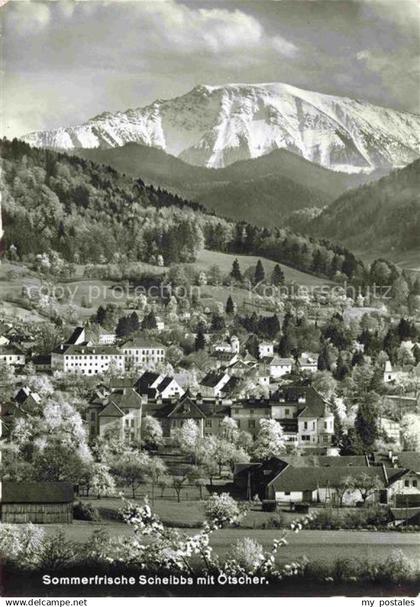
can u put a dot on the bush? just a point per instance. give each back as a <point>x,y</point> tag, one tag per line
<point>247,553</point>
<point>222,510</point>
<point>269,505</point>
<point>373,516</point>
<point>276,522</point>
<point>85,512</point>
<point>21,544</point>
<point>56,552</point>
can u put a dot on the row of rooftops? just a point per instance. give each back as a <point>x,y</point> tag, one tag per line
<point>311,407</point>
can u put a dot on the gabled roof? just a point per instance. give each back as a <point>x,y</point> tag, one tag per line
<point>42,359</point>
<point>276,361</point>
<point>145,381</point>
<point>187,409</point>
<point>266,471</point>
<point>315,406</point>
<point>33,493</point>
<point>10,349</point>
<point>75,337</point>
<point>166,381</point>
<point>230,385</point>
<point>127,398</point>
<point>211,380</point>
<point>116,383</point>
<point>22,394</point>
<point>111,410</point>
<point>410,460</point>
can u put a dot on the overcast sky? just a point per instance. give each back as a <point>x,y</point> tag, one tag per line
<point>66,61</point>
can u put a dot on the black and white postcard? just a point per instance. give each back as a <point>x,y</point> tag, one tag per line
<point>210,301</point>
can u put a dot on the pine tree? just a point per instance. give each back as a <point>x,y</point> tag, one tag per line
<point>277,276</point>
<point>236,271</point>
<point>230,306</point>
<point>149,321</point>
<point>200,340</point>
<point>322,362</point>
<point>366,422</point>
<point>284,346</point>
<point>100,315</point>
<point>342,369</point>
<point>259,273</point>
<point>123,327</point>
<point>134,322</point>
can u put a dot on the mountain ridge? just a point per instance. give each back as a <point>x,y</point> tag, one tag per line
<point>382,217</point>
<point>214,126</point>
<point>262,190</point>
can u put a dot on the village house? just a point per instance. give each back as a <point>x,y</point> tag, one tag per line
<point>392,374</point>
<point>27,399</point>
<point>117,414</point>
<point>265,349</point>
<point>307,362</point>
<point>140,351</point>
<point>279,366</point>
<point>11,355</point>
<point>24,403</point>
<point>303,413</point>
<point>106,337</point>
<point>42,363</point>
<point>248,412</point>
<point>320,484</point>
<point>213,383</point>
<point>223,359</point>
<point>155,386</point>
<point>315,421</point>
<point>278,480</point>
<point>206,413</point>
<point>229,345</point>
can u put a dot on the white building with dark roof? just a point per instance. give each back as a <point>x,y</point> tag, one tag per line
<point>142,350</point>
<point>87,360</point>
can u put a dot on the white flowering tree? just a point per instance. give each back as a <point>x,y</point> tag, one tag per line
<point>410,426</point>
<point>187,437</point>
<point>102,482</point>
<point>270,440</point>
<point>151,432</point>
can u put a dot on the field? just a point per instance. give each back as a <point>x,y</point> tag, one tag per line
<point>206,259</point>
<point>85,294</point>
<point>318,546</point>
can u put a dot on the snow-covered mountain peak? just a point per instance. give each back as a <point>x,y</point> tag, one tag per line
<point>215,125</point>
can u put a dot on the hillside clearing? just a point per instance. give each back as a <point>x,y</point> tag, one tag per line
<point>206,259</point>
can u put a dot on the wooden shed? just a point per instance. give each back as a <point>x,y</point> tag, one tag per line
<point>36,502</point>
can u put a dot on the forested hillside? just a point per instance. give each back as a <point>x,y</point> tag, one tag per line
<point>263,190</point>
<point>92,213</point>
<point>378,217</point>
<point>89,212</point>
